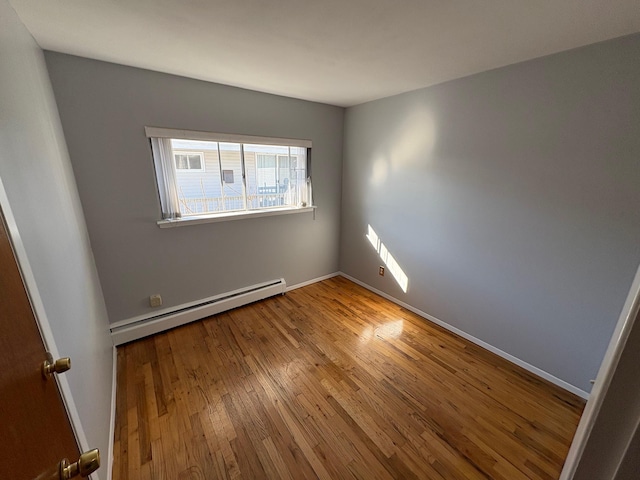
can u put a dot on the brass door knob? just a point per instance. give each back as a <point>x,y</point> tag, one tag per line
<point>49,367</point>
<point>88,463</point>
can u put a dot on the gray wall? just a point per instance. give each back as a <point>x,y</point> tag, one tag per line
<point>510,199</point>
<point>104,108</point>
<point>37,175</point>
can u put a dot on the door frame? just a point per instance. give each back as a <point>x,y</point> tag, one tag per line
<point>603,380</point>
<point>40,315</point>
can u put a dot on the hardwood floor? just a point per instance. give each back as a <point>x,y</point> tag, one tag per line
<point>332,381</point>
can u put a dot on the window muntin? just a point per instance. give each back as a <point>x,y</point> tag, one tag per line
<point>232,176</point>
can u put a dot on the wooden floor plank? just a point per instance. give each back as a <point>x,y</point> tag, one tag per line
<point>331,381</point>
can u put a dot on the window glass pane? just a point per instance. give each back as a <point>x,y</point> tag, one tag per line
<point>198,186</point>
<point>298,176</point>
<point>195,162</point>
<point>227,176</point>
<point>265,188</point>
<point>251,162</point>
<point>266,174</point>
<point>209,176</point>
<point>233,194</point>
<point>181,162</point>
<point>266,160</point>
<point>284,172</point>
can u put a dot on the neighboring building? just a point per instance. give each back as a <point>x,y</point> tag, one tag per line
<point>209,176</point>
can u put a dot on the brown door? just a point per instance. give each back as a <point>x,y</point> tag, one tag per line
<point>35,433</point>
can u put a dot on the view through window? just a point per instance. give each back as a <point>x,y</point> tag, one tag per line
<point>211,177</point>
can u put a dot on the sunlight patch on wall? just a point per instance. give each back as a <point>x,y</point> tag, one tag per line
<point>410,145</point>
<point>373,238</point>
<point>390,262</point>
<point>414,141</point>
<point>380,171</point>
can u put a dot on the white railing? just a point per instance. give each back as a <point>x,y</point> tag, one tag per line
<point>195,206</point>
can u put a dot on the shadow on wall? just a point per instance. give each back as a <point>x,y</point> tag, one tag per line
<point>386,257</point>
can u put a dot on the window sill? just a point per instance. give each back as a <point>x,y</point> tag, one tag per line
<point>226,217</point>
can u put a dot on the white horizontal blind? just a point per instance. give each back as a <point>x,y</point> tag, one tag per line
<point>156,132</point>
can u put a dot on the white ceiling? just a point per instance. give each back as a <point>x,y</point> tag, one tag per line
<point>341,52</point>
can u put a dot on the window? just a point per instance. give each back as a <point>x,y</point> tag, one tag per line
<point>218,174</point>
<point>227,176</point>
<point>189,161</point>
<point>274,172</point>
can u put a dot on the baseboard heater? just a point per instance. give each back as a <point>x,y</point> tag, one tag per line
<point>139,327</point>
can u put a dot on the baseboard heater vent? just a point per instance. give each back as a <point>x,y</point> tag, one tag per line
<point>139,327</point>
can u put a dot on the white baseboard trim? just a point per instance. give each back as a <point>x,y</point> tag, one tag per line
<point>521,363</point>
<point>144,325</point>
<point>183,306</point>
<point>112,420</point>
<point>140,327</point>
<point>312,281</point>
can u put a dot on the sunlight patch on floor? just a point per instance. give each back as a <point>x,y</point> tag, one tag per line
<point>387,331</point>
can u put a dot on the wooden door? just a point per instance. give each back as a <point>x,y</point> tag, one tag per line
<point>35,432</point>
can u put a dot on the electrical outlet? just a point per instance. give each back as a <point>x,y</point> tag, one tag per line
<point>155,300</point>
<point>381,271</point>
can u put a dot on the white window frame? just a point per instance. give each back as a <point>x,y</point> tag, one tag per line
<point>190,170</point>
<point>166,175</point>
